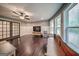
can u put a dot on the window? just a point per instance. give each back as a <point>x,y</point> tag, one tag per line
<point>52,26</point>
<point>74,16</point>
<point>73,36</point>
<point>4,29</point>
<point>0,29</point>
<point>7,29</point>
<point>58,25</point>
<point>15,29</point>
<point>72,27</point>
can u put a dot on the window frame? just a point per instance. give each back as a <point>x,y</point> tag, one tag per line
<point>52,26</point>
<point>66,18</point>
<point>10,29</point>
<point>56,25</point>
<point>66,26</point>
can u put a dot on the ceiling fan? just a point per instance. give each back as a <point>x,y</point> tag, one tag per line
<point>22,15</point>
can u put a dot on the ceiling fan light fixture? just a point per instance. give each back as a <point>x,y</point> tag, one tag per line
<point>22,15</point>
<point>27,18</point>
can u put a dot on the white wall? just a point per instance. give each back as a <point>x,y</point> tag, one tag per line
<point>27,28</point>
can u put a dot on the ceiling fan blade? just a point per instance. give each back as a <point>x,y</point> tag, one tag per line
<point>27,18</point>
<point>16,13</point>
<point>22,15</point>
<point>26,15</point>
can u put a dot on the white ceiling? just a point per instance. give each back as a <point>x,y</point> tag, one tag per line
<point>37,11</point>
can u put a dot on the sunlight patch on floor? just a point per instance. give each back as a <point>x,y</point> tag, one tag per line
<point>51,47</point>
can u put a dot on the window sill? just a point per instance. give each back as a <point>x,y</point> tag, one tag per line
<point>73,47</point>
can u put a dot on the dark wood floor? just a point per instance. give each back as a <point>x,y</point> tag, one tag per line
<point>31,46</point>
<point>36,46</point>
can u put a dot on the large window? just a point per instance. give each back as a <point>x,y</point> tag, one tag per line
<point>72,26</point>
<point>58,25</point>
<point>9,29</point>
<point>4,29</point>
<point>52,26</point>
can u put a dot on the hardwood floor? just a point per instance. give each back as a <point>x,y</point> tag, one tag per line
<point>31,46</point>
<point>53,49</point>
<point>36,46</point>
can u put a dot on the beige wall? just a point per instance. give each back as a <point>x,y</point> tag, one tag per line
<point>27,28</point>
